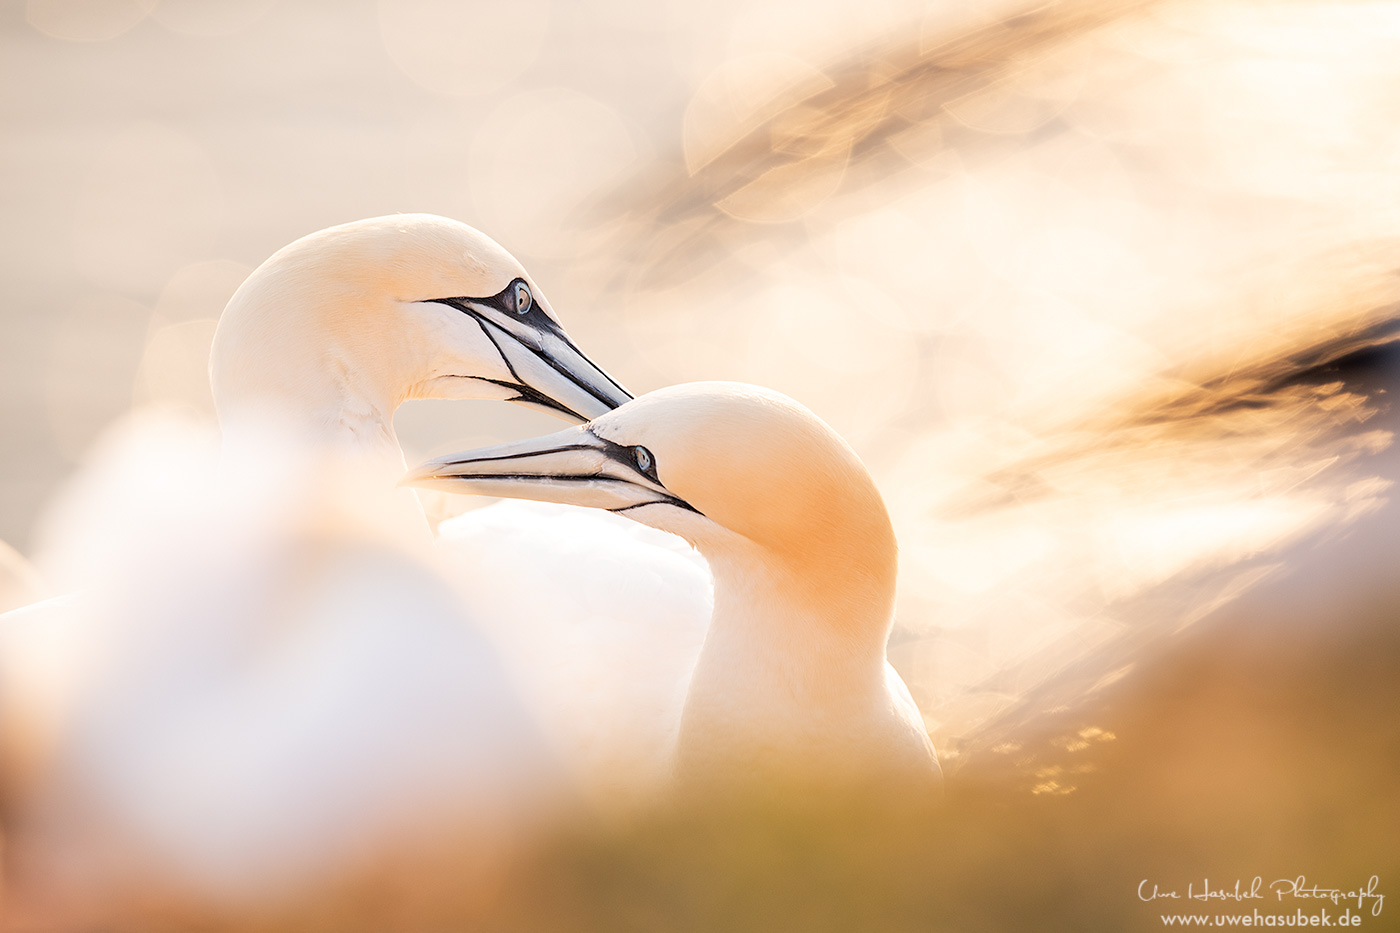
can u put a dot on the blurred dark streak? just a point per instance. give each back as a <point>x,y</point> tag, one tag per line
<point>1315,398</point>
<point>879,93</point>
<point>1363,362</point>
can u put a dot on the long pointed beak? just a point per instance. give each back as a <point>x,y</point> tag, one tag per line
<point>553,374</point>
<point>574,467</point>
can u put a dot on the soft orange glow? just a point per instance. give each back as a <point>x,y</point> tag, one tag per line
<point>1071,278</point>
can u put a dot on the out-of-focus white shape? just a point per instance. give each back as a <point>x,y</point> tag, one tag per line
<point>97,345</point>
<point>919,257</point>
<point>1092,363</point>
<point>976,560</point>
<point>1007,210</point>
<point>464,46</point>
<point>1145,546</point>
<point>267,682</point>
<point>200,290</point>
<point>209,18</point>
<point>815,29</point>
<point>602,632</point>
<point>20,583</point>
<point>792,679</point>
<point>86,20</point>
<point>539,157</point>
<point>174,368</point>
<point>827,336</point>
<point>151,203</point>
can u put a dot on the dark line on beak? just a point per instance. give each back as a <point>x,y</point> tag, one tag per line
<point>525,393</point>
<point>525,476</point>
<point>558,367</point>
<point>597,369</point>
<point>531,453</point>
<point>565,478</point>
<point>668,500</point>
<point>530,394</point>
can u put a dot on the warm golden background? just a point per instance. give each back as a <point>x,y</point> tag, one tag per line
<point>1101,291</point>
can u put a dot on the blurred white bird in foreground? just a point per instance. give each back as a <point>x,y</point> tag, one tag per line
<point>270,673</point>
<point>792,678</point>
<point>267,683</point>
<point>19,581</point>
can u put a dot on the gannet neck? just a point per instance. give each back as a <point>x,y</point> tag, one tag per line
<point>793,668</point>
<point>830,622</point>
<point>310,391</point>
<point>319,394</point>
<point>349,429</point>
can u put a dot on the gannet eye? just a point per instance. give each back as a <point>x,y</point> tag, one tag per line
<point>645,461</point>
<point>523,299</point>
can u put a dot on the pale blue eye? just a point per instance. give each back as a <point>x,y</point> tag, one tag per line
<point>645,462</point>
<point>523,299</point>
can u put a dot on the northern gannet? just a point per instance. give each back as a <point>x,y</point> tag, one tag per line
<point>792,678</point>
<point>269,683</point>
<point>333,332</point>
<point>270,624</point>
<point>336,330</point>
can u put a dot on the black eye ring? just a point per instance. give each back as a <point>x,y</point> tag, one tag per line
<point>646,463</point>
<point>524,301</point>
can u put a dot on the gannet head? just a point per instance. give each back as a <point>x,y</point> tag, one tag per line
<point>406,306</point>
<point>729,467</point>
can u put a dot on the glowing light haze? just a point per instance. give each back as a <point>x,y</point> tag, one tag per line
<point>1049,273</point>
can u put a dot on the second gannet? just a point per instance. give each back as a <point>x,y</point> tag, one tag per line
<point>792,677</point>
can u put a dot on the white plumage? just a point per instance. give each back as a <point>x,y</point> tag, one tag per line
<point>600,621</point>
<point>792,679</point>
<point>267,682</point>
<point>270,671</point>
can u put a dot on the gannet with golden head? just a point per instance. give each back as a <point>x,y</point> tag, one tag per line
<point>792,676</point>
<point>335,331</point>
